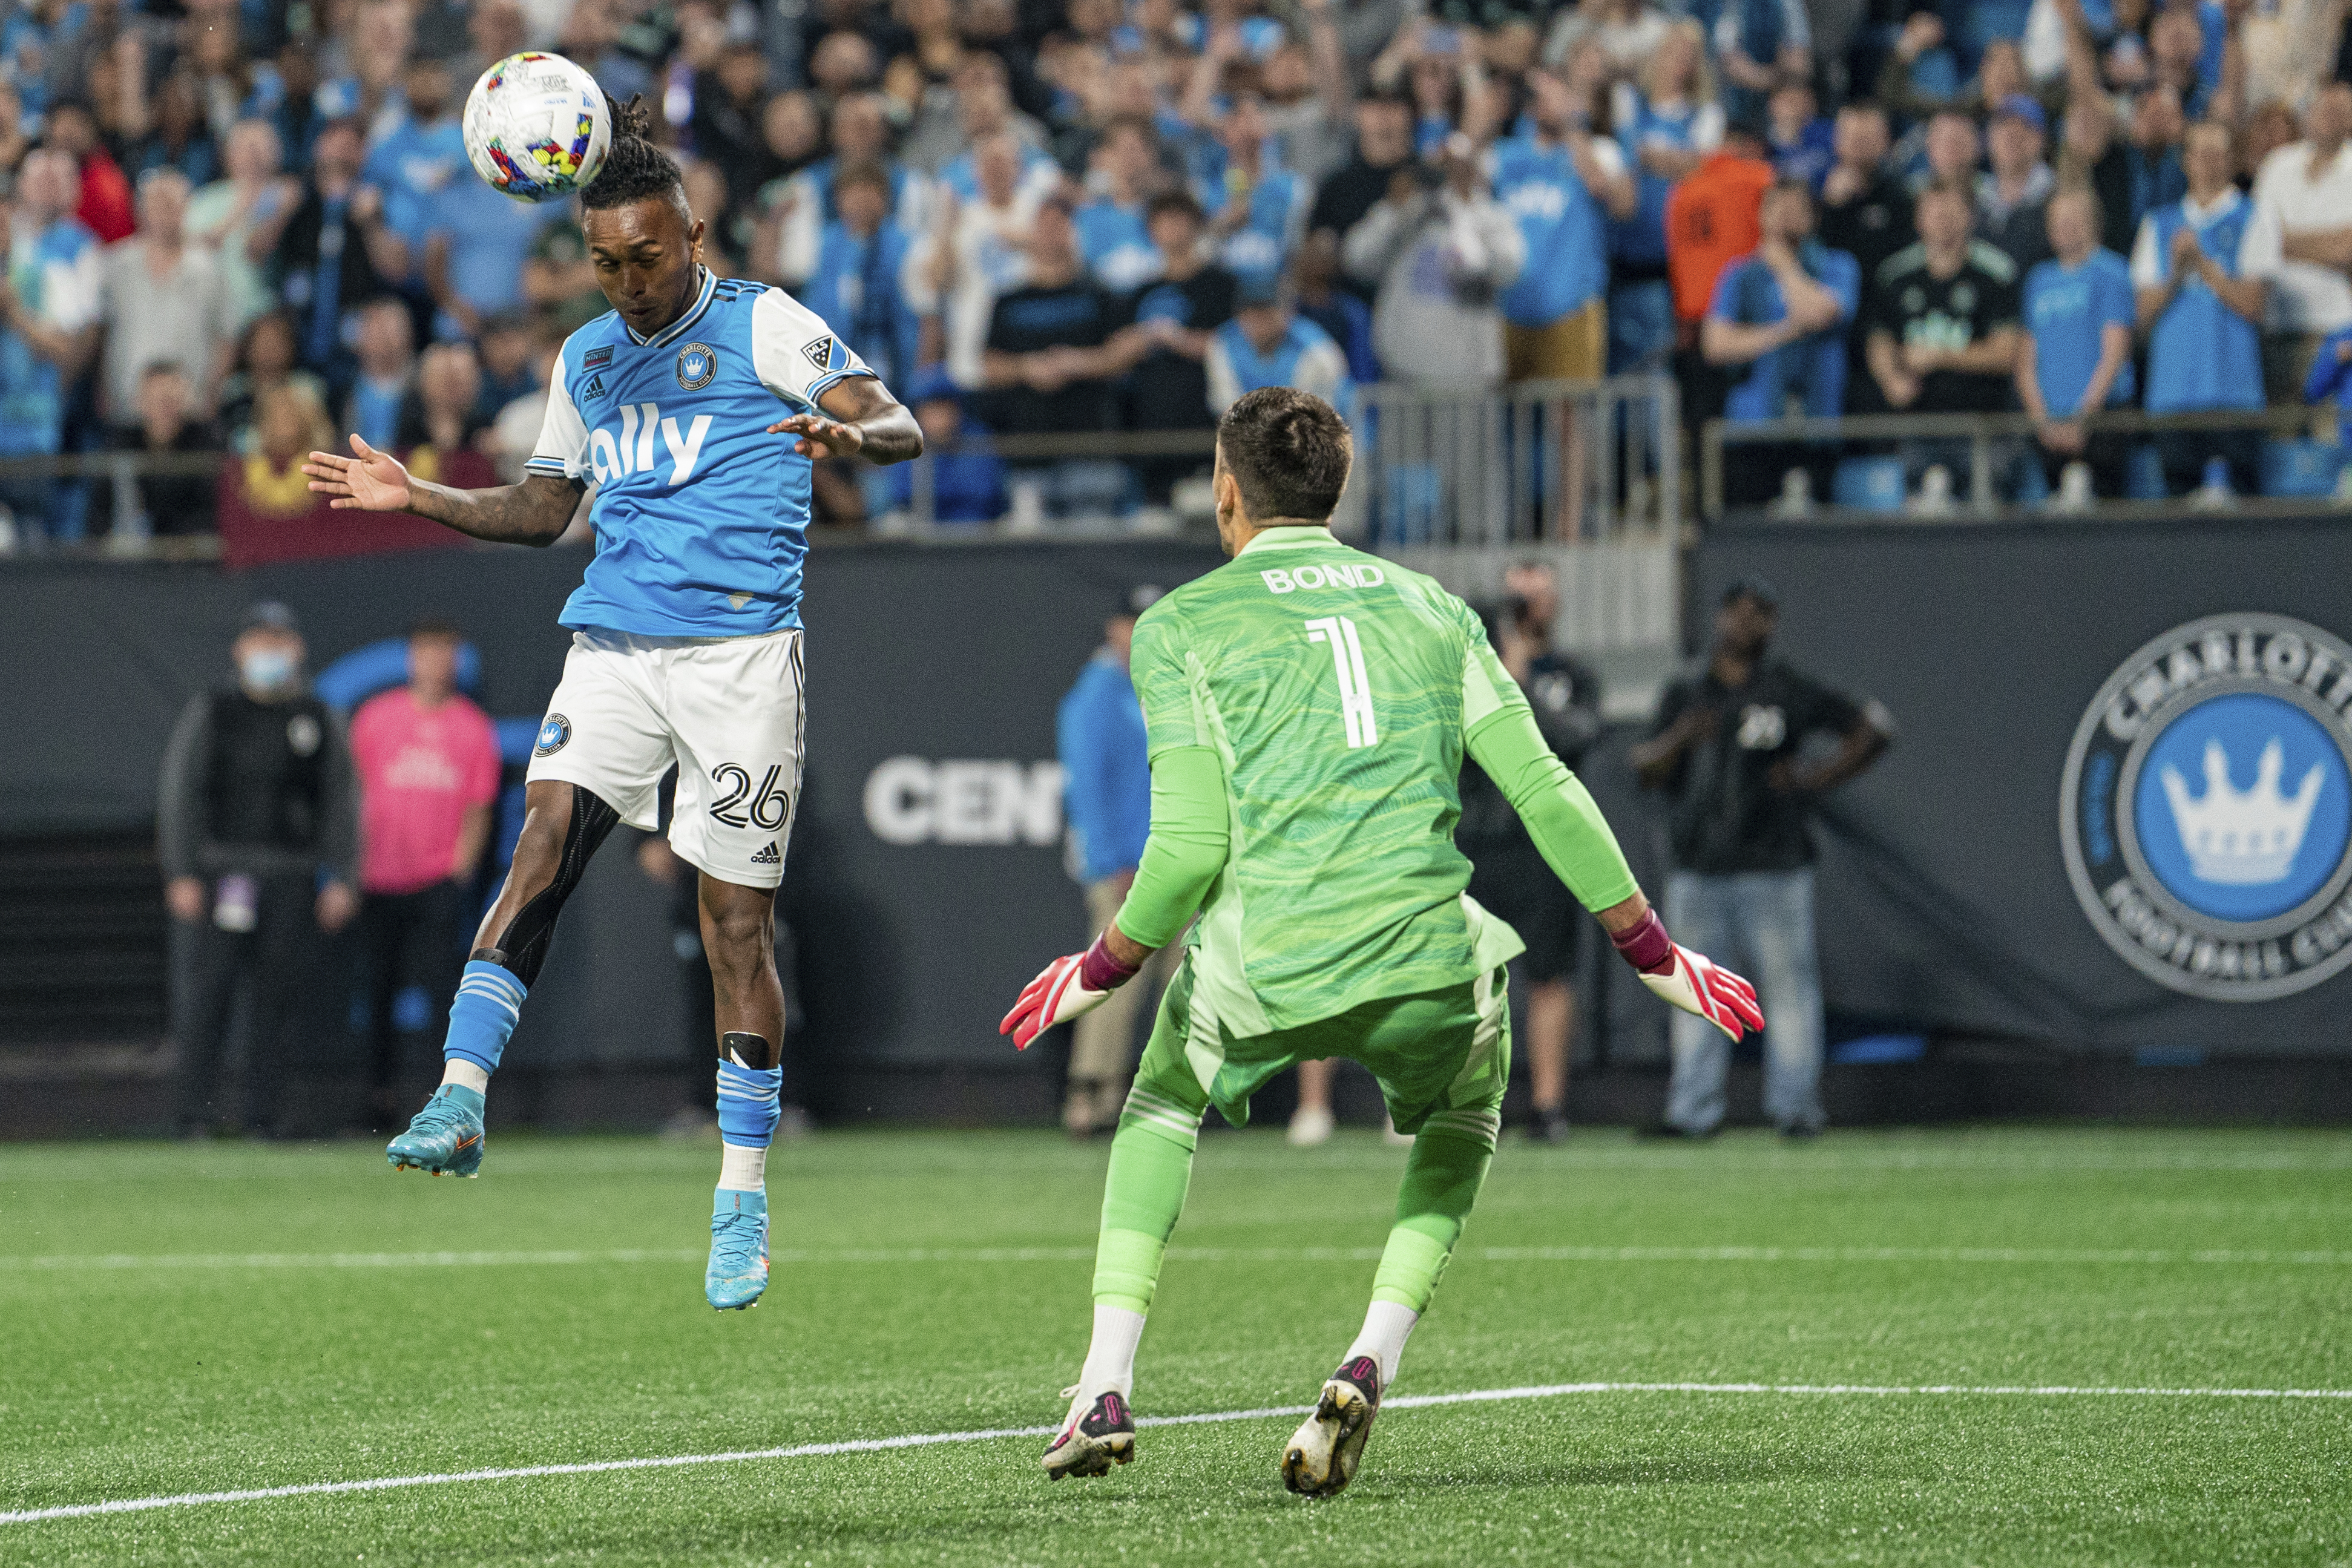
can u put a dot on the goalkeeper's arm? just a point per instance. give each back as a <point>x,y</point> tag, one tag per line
<point>1504,739</point>
<point>1574,838</point>
<point>1187,849</point>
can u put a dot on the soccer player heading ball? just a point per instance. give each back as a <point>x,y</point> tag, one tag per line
<point>1308,707</point>
<point>686,639</point>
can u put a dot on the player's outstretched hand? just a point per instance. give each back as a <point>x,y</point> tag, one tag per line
<point>368,481</point>
<point>1697,984</point>
<point>1691,981</point>
<point>820,437</point>
<point>1056,995</point>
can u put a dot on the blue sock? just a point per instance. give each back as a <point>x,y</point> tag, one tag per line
<point>489,1002</point>
<point>750,1101</point>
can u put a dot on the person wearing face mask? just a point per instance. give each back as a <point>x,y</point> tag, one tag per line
<point>257,834</point>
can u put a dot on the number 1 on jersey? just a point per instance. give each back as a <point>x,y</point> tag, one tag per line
<point>1355,686</point>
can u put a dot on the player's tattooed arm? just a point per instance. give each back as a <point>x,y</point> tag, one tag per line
<point>865,422</point>
<point>535,512</point>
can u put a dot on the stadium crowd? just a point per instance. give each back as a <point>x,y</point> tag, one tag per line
<point>249,225</point>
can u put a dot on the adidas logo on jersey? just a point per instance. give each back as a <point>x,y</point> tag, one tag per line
<point>1340,576</point>
<point>768,856</point>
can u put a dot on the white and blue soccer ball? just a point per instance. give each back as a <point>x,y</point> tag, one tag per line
<point>537,126</point>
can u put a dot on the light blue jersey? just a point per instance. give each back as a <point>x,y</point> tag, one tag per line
<point>701,515</point>
<point>2202,353</point>
<point>1303,357</point>
<point>1565,228</point>
<point>1116,244</point>
<point>2068,310</point>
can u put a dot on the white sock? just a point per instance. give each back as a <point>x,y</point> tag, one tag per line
<point>1111,1359</point>
<point>743,1169</point>
<point>1386,1327</point>
<point>465,1074</point>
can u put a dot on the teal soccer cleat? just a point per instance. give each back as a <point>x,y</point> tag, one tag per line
<point>738,1272</point>
<point>444,1137</point>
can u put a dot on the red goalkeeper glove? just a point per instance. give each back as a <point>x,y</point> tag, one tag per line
<point>1067,989</point>
<point>1689,980</point>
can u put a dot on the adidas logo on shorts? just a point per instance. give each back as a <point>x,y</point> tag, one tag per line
<point>768,856</point>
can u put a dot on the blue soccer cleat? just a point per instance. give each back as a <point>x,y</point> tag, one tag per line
<point>738,1272</point>
<point>446,1137</point>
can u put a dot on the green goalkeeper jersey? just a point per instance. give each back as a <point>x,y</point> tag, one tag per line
<point>1336,689</point>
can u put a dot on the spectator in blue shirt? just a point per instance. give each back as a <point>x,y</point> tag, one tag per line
<point>1321,297</point>
<point>1113,234</point>
<point>1803,142</point>
<point>855,285</point>
<point>1256,211</point>
<point>476,246</point>
<point>1106,802</point>
<point>385,344</point>
<point>48,324</point>
<point>417,166</point>
<point>2331,377</point>
<point>1561,185</point>
<point>1268,344</point>
<point>2075,356</point>
<point>2202,269</point>
<point>1783,312</point>
<point>1667,122</point>
<point>1758,44</point>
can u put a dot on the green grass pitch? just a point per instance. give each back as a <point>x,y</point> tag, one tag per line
<point>178,1319</point>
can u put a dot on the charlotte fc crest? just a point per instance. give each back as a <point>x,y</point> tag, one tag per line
<point>696,364</point>
<point>2207,808</point>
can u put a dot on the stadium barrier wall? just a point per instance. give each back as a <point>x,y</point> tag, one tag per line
<point>1946,901</point>
<point>926,879</point>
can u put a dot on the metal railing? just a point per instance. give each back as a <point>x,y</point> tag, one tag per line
<point>1984,434</point>
<point>1558,461</point>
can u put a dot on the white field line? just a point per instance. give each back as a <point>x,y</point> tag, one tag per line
<point>2061,1256</point>
<point>930,1439</point>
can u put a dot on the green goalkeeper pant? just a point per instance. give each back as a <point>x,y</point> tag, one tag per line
<point>1442,1059</point>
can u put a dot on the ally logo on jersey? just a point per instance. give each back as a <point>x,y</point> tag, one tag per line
<point>701,515</point>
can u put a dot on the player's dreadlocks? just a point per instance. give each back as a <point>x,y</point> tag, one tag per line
<point>634,169</point>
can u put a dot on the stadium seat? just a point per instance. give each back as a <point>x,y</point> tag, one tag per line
<point>1870,484</point>
<point>2300,468</point>
<point>2144,474</point>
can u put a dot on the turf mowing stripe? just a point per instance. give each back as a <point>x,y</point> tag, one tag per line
<point>2017,1255</point>
<point>929,1440</point>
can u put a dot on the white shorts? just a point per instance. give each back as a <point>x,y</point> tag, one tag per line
<point>728,712</point>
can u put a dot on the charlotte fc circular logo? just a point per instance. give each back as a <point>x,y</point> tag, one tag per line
<point>554,734</point>
<point>696,364</point>
<point>2207,808</point>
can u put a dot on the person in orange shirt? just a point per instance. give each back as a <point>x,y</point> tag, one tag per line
<point>1712,218</point>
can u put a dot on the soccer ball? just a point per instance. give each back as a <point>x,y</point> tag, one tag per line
<point>537,126</point>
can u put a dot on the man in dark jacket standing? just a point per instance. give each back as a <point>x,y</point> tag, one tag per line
<point>1729,746</point>
<point>257,832</point>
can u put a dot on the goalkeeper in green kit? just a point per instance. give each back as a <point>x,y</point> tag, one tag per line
<point>1308,707</point>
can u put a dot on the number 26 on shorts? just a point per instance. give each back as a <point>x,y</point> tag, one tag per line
<point>739,806</point>
<point>1355,686</point>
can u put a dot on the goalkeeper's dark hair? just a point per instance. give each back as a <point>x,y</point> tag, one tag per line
<point>634,169</point>
<point>1288,451</point>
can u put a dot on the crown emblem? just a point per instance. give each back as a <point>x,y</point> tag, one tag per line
<point>2241,839</point>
